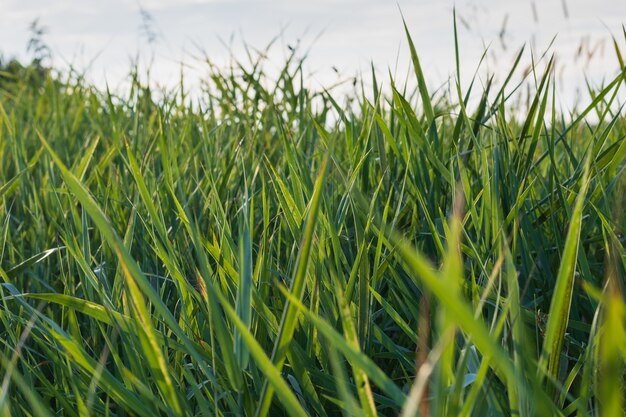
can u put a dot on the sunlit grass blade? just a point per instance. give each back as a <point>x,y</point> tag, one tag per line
<point>559,313</point>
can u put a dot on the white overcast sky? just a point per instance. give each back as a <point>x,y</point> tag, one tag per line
<point>106,34</point>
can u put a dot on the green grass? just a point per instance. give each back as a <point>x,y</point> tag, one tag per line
<point>269,250</point>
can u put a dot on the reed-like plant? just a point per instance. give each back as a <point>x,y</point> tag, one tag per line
<point>259,248</point>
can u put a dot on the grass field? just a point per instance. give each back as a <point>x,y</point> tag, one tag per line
<point>275,251</point>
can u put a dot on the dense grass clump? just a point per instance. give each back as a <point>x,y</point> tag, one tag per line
<point>262,249</point>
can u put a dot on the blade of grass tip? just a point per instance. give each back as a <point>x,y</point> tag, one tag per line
<point>81,169</point>
<point>456,50</point>
<point>538,122</point>
<point>292,213</point>
<point>419,74</point>
<point>618,53</point>
<point>558,315</point>
<point>614,84</point>
<point>17,269</point>
<point>289,318</point>
<point>538,101</point>
<point>135,280</point>
<point>143,191</point>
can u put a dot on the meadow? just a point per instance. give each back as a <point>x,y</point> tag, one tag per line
<point>274,250</point>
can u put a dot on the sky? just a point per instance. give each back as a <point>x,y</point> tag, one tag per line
<point>342,37</point>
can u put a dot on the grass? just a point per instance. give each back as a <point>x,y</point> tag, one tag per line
<point>270,251</point>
